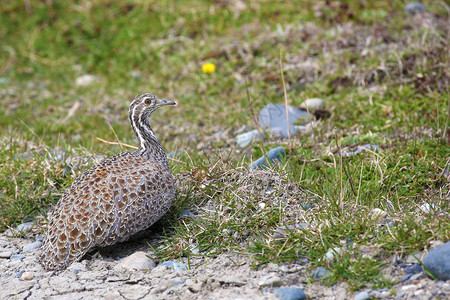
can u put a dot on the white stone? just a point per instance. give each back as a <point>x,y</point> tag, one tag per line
<point>378,213</point>
<point>271,282</point>
<point>332,253</point>
<point>312,104</point>
<point>5,254</point>
<point>245,139</point>
<point>137,261</point>
<point>428,208</point>
<point>409,287</point>
<point>85,80</point>
<point>362,296</point>
<point>27,276</point>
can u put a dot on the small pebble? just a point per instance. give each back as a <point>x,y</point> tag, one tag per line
<point>332,253</point>
<point>137,261</point>
<point>31,247</point>
<point>175,266</point>
<point>428,208</point>
<point>85,80</point>
<point>312,104</point>
<point>27,276</point>
<point>413,269</point>
<point>186,214</point>
<point>290,293</point>
<point>416,276</point>
<point>362,296</point>
<point>406,277</point>
<point>361,149</point>
<point>378,213</point>
<point>270,282</point>
<point>20,273</point>
<point>24,227</point>
<point>409,287</point>
<point>5,254</point>
<point>273,154</point>
<point>17,256</point>
<point>400,295</point>
<point>413,8</point>
<point>321,272</point>
<point>245,139</point>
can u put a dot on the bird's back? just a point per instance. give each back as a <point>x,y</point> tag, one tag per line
<point>108,203</point>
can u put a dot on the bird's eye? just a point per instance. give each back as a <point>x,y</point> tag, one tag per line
<point>148,101</point>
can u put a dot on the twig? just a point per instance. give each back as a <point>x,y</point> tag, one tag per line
<point>285,97</point>
<point>444,133</point>
<point>10,61</point>
<point>360,180</point>
<point>341,167</point>
<point>114,132</point>
<point>116,143</point>
<point>350,179</point>
<point>255,119</point>
<point>134,147</point>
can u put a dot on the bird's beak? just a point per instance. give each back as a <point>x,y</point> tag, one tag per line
<point>164,102</point>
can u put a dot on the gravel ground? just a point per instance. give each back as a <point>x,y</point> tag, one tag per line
<point>106,275</point>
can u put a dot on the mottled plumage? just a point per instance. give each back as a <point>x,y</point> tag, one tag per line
<point>120,196</point>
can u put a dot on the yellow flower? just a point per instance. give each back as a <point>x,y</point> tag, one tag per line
<point>208,68</point>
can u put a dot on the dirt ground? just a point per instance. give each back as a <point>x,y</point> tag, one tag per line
<point>227,276</point>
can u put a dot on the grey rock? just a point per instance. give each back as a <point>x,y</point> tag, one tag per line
<point>272,155</point>
<point>25,227</point>
<point>400,295</point>
<point>362,296</point>
<point>245,139</point>
<point>414,257</point>
<point>5,254</point>
<point>273,118</point>
<point>19,274</point>
<point>175,266</point>
<point>186,214</point>
<point>312,104</point>
<point>438,261</point>
<point>17,256</point>
<point>137,261</point>
<point>416,276</point>
<point>290,293</point>
<point>282,231</point>
<point>413,8</point>
<point>406,277</point>
<point>413,269</point>
<point>31,247</point>
<point>321,272</point>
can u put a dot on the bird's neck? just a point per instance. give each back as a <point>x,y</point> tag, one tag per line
<point>149,146</point>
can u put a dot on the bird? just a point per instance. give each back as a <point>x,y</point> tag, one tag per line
<point>122,195</point>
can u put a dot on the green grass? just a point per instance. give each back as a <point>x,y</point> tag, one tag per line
<point>381,72</point>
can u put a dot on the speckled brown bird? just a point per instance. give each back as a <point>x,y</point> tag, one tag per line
<point>122,195</point>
